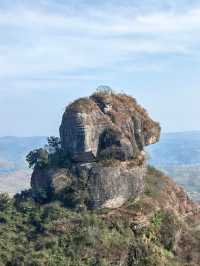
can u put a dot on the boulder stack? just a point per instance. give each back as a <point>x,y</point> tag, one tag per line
<point>104,137</point>
<point>106,125</point>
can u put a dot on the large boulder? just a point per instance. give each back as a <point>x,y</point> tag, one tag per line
<point>106,125</point>
<point>110,186</point>
<point>103,139</point>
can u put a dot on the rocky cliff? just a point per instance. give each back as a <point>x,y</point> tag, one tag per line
<point>106,124</point>
<point>103,136</point>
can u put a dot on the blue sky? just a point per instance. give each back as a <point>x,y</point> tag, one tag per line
<point>52,52</point>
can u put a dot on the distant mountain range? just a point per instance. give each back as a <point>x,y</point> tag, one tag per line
<point>178,154</point>
<point>176,148</point>
<point>14,172</point>
<point>13,151</point>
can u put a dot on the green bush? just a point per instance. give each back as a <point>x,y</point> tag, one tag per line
<point>48,234</point>
<point>4,201</point>
<point>38,157</point>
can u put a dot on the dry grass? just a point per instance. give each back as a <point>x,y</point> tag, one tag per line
<point>82,105</point>
<point>123,106</point>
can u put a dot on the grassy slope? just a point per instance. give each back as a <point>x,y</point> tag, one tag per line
<point>161,228</point>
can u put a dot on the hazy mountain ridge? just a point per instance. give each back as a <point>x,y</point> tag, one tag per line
<point>182,148</point>
<point>178,154</point>
<point>13,151</point>
<point>14,172</point>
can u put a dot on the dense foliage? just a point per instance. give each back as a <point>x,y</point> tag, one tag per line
<point>54,235</point>
<point>51,234</point>
<point>38,157</point>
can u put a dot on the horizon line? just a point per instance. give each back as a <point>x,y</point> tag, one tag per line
<point>43,136</point>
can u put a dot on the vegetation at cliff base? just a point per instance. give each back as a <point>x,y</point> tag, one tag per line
<point>140,233</point>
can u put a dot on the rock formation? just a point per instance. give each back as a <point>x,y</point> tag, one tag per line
<point>104,138</point>
<point>110,186</point>
<point>106,124</point>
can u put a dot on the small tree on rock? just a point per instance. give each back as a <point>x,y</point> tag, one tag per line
<point>38,157</point>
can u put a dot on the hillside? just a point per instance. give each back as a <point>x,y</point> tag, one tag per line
<point>159,229</point>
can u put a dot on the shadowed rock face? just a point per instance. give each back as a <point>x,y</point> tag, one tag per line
<point>106,125</point>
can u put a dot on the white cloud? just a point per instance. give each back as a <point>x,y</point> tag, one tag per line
<point>104,21</point>
<point>38,42</point>
<point>52,53</point>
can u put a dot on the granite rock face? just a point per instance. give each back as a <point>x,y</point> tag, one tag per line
<point>111,186</point>
<point>106,125</point>
<point>104,137</point>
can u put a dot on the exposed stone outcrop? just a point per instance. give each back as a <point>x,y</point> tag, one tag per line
<point>106,125</point>
<point>111,186</point>
<point>46,182</point>
<point>104,137</point>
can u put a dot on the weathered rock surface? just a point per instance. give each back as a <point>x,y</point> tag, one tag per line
<point>46,182</point>
<point>106,125</point>
<point>108,186</point>
<point>111,186</point>
<point>104,137</point>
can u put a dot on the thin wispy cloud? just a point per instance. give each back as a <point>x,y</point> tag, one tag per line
<point>48,41</point>
<point>103,22</point>
<point>49,46</point>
